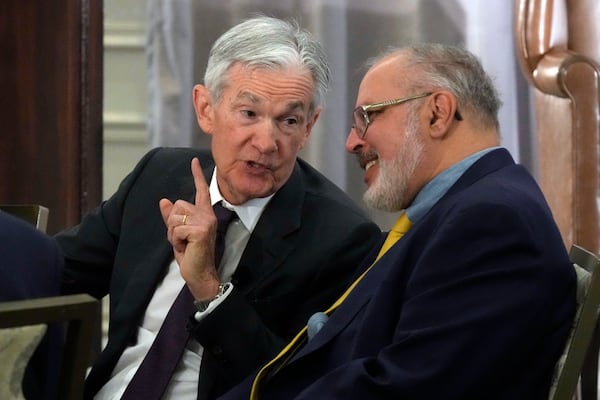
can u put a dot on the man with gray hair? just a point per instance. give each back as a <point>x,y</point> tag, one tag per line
<point>213,260</point>
<point>471,295</point>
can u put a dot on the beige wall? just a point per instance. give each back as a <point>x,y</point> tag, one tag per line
<point>125,138</point>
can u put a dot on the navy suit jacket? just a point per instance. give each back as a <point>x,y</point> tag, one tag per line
<point>30,267</point>
<point>474,302</point>
<point>300,256</point>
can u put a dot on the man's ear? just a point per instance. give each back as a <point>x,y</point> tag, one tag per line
<point>203,104</point>
<point>442,106</point>
<point>309,126</point>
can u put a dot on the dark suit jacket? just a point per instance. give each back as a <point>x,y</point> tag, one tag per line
<point>30,267</point>
<point>301,254</point>
<point>474,302</point>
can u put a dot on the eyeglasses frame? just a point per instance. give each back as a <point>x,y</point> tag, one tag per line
<point>374,106</point>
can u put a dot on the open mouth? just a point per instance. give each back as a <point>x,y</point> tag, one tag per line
<point>367,160</point>
<point>258,166</point>
<point>370,164</point>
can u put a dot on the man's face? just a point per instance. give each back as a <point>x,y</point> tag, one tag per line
<point>258,126</point>
<point>393,149</point>
<point>389,190</point>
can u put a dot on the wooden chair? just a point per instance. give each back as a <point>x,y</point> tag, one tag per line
<point>80,315</point>
<point>580,358</point>
<point>35,214</point>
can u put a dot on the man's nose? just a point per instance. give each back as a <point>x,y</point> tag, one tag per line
<point>265,139</point>
<point>353,142</point>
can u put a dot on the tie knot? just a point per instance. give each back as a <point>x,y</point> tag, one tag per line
<point>402,225</point>
<point>224,216</point>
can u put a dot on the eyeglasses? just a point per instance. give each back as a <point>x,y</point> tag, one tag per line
<point>361,119</point>
<point>360,115</point>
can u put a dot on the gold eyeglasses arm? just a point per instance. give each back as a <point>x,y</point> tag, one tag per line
<point>394,101</point>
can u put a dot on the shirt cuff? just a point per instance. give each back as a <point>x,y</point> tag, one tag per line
<point>199,315</point>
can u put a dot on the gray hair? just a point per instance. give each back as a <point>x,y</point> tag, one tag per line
<point>271,43</point>
<point>456,70</point>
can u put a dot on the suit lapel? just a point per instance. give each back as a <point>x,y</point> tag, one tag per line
<point>272,239</point>
<point>356,300</point>
<point>487,164</point>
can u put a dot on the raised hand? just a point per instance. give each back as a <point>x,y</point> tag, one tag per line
<point>191,230</point>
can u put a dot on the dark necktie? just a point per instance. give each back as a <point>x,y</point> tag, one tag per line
<point>153,376</point>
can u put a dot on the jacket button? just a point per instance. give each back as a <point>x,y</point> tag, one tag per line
<point>216,350</point>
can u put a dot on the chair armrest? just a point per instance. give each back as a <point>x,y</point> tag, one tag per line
<point>79,312</point>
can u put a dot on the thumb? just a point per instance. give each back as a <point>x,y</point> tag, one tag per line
<point>165,206</point>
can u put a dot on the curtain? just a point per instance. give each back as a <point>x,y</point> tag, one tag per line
<point>180,33</point>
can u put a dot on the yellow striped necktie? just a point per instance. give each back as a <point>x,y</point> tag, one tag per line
<point>399,228</point>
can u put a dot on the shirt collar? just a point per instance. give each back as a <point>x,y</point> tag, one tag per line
<point>249,212</point>
<point>438,186</point>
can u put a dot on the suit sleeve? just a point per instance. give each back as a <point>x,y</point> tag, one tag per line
<point>90,247</point>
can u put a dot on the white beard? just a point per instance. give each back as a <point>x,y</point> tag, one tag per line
<point>388,192</point>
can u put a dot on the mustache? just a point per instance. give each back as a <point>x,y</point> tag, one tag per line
<point>364,157</point>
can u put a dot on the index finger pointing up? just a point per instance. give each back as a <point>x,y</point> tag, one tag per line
<point>202,195</point>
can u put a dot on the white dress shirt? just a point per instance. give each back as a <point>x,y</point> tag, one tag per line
<point>184,383</point>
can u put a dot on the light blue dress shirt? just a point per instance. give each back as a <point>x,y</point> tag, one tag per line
<point>438,186</point>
